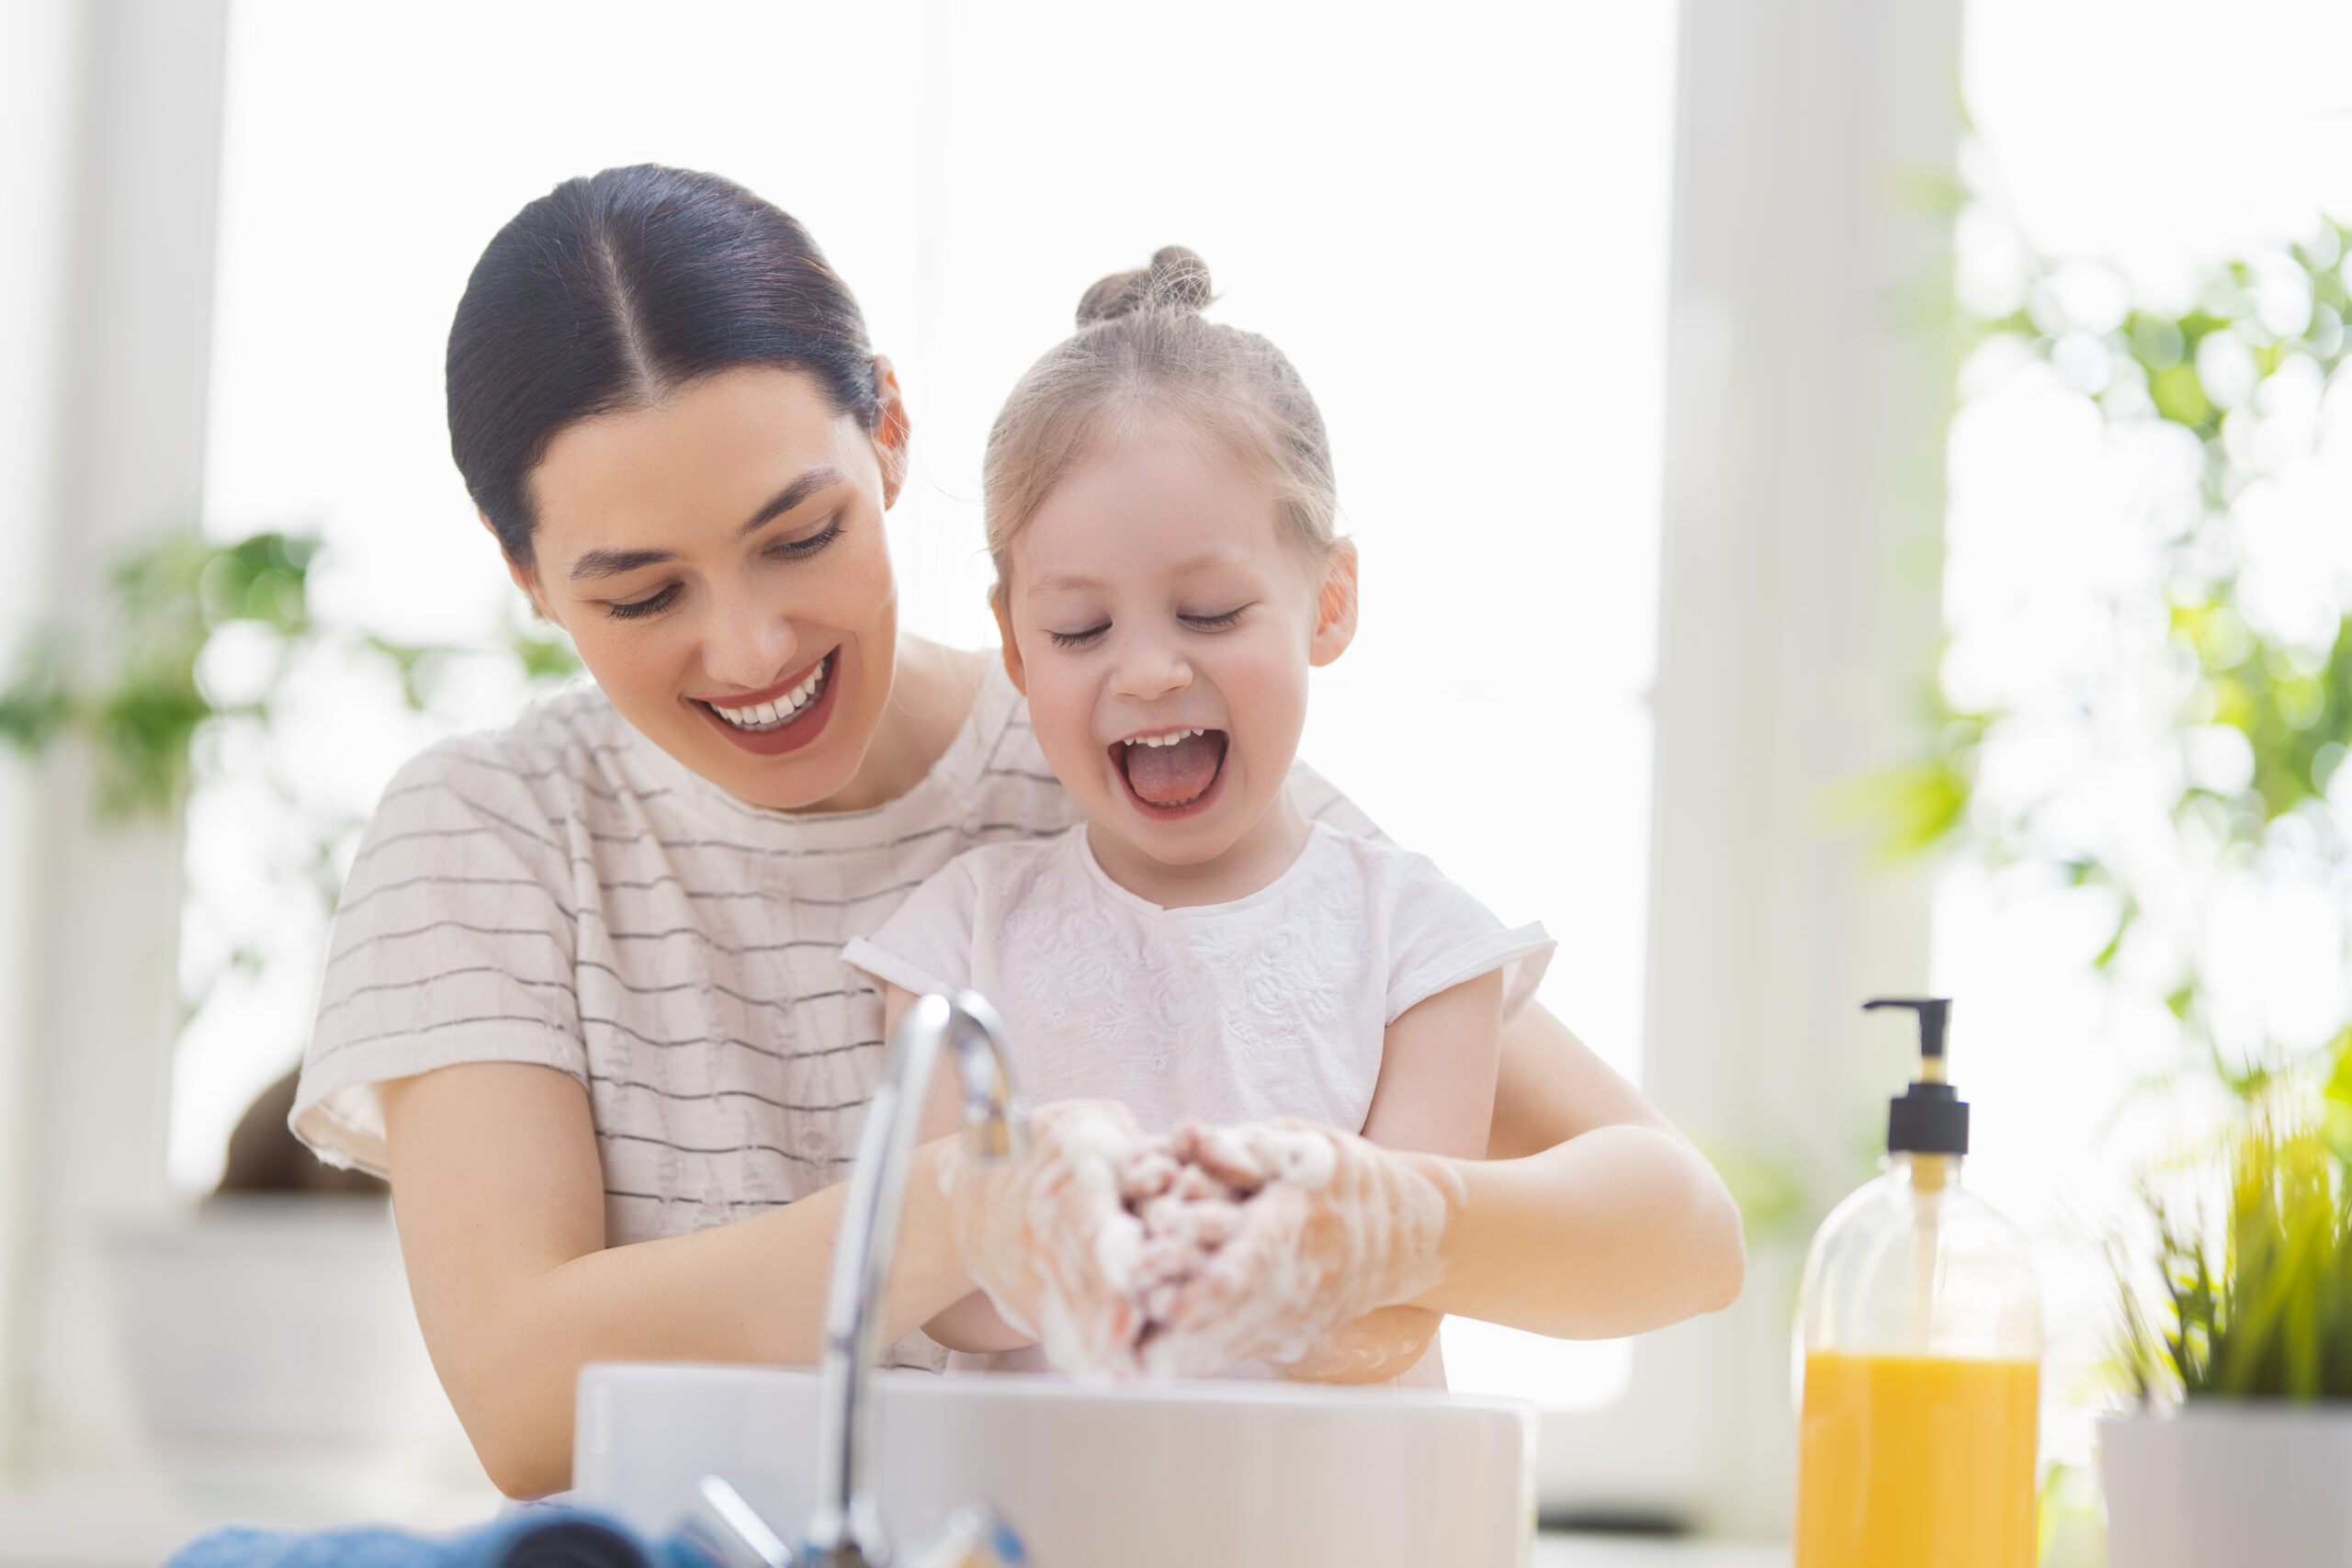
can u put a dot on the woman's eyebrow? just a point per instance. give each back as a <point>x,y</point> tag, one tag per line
<point>792,495</point>
<point>612,563</point>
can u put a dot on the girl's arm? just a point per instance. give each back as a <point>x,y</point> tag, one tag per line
<point>1592,1216</point>
<point>499,1195</point>
<point>1436,1095</point>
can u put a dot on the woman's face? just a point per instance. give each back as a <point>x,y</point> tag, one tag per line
<point>719,561</point>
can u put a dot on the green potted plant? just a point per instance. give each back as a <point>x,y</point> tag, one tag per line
<point>2240,1446</point>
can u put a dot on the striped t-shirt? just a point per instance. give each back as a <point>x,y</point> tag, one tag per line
<point>563,892</point>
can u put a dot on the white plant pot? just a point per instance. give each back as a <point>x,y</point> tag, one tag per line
<point>272,1349</point>
<point>2260,1483</point>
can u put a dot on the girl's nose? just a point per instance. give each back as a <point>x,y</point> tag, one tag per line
<point>1150,669</point>
<point>748,644</point>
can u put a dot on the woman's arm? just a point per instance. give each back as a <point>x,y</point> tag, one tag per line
<point>1592,1216</point>
<point>973,1323</point>
<point>499,1196</point>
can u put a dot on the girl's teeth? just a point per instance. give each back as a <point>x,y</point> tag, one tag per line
<point>1163,740</point>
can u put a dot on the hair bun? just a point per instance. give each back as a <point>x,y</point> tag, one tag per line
<point>1177,279</point>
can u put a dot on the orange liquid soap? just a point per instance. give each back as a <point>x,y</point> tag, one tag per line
<point>1917,1461</point>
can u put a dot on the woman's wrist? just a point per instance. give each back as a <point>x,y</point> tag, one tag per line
<point>927,1276</point>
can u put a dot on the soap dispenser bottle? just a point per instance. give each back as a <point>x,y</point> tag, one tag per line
<point>1919,1352</point>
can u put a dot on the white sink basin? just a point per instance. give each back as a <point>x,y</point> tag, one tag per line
<point>1241,1475</point>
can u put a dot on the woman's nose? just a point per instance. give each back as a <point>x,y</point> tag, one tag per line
<point>748,644</point>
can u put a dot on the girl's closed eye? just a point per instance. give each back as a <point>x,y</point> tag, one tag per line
<point>1079,638</point>
<point>1216,623</point>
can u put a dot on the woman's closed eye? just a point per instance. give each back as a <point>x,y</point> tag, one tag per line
<point>652,604</point>
<point>808,545</point>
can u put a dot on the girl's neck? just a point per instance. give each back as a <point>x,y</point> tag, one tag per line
<point>1254,862</point>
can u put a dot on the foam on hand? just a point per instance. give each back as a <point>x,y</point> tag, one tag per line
<point>1131,1256</point>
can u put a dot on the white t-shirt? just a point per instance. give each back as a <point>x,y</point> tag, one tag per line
<point>563,892</point>
<point>1273,1005</point>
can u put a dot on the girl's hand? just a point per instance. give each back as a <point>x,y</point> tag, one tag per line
<point>1337,1228</point>
<point>1049,1238</point>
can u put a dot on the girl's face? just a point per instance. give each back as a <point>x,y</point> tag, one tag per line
<point>1162,627</point>
<point>719,561</point>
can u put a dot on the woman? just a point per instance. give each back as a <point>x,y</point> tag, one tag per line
<point>584,1002</point>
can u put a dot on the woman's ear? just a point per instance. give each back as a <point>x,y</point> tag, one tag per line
<point>1013,668</point>
<point>893,432</point>
<point>526,576</point>
<point>1335,605</point>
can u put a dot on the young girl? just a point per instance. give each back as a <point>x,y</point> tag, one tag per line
<point>1159,511</point>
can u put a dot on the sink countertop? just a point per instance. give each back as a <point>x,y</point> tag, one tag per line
<point>91,1527</point>
<point>1629,1551</point>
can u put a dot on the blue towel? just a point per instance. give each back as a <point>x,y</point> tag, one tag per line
<point>529,1538</point>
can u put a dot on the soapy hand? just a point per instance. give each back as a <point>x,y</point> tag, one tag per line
<point>1185,1256</point>
<point>1334,1227</point>
<point>1050,1239</point>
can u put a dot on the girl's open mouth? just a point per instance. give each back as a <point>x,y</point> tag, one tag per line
<point>1172,774</point>
<point>784,719</point>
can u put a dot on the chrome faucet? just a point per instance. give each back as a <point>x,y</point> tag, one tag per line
<point>846,1529</point>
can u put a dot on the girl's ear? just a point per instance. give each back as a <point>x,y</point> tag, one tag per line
<point>1013,667</point>
<point>893,434</point>
<point>1335,606</point>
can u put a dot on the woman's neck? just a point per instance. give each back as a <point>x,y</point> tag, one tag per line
<point>931,693</point>
<point>1253,862</point>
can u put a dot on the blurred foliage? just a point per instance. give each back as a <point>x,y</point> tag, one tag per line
<point>1771,1198</point>
<point>2260,1306</point>
<point>2203,370</point>
<point>139,716</point>
<point>139,706</point>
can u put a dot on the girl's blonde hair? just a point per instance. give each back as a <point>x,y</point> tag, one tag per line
<point>1142,352</point>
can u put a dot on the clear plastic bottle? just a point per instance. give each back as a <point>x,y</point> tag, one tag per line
<point>1919,1354</point>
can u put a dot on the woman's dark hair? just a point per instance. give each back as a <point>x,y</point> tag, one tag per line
<point>614,289</point>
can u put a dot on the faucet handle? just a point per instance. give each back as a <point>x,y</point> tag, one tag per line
<point>730,1531</point>
<point>973,1536</point>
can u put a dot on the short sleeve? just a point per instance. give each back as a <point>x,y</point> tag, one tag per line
<point>1438,936</point>
<point>926,946</point>
<point>453,942</point>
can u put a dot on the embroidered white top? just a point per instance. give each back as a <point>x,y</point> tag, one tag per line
<point>1273,1005</point>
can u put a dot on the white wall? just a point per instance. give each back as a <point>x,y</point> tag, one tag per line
<point>113,116</point>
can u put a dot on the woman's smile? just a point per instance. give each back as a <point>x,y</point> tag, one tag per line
<point>785,717</point>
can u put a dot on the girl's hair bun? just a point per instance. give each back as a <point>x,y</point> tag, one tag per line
<point>1177,279</point>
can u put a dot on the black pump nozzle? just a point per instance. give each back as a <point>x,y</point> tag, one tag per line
<point>1928,1117</point>
<point>1934,1012</point>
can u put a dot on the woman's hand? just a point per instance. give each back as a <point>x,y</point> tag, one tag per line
<point>1337,1228</point>
<point>1049,1237</point>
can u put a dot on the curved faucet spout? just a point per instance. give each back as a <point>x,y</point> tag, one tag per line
<point>846,1529</point>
